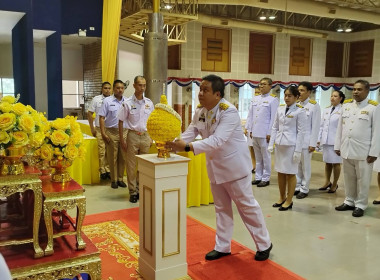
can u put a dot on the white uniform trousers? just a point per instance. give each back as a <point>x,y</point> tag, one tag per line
<point>263,159</point>
<point>304,172</point>
<point>239,191</point>
<point>357,179</point>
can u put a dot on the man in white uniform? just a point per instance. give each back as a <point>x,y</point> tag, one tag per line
<point>229,167</point>
<point>259,125</point>
<point>134,114</point>
<point>358,143</point>
<point>95,106</point>
<point>312,125</point>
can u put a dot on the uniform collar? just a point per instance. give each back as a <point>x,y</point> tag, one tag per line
<point>265,95</point>
<point>362,103</point>
<point>115,99</point>
<point>305,101</point>
<point>140,101</point>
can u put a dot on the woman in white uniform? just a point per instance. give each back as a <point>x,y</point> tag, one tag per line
<point>376,168</point>
<point>287,134</point>
<point>326,139</point>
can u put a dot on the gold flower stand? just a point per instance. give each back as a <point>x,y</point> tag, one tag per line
<point>12,184</point>
<point>63,196</point>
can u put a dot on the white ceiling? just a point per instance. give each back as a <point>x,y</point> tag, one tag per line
<point>7,21</point>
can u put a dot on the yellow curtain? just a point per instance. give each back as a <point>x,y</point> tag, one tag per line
<point>110,37</point>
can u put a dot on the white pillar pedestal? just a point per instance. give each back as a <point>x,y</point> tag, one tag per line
<point>163,189</point>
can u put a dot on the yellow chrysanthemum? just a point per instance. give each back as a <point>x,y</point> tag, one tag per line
<point>46,152</point>
<point>19,108</point>
<point>27,123</point>
<point>57,152</point>
<point>5,107</point>
<point>60,124</point>
<point>4,137</point>
<point>9,99</point>
<point>59,137</point>
<point>164,124</point>
<point>76,137</point>
<point>30,109</point>
<point>36,139</point>
<point>20,138</point>
<point>71,152</point>
<point>7,121</point>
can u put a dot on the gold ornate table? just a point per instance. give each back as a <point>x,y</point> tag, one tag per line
<point>12,184</point>
<point>63,196</point>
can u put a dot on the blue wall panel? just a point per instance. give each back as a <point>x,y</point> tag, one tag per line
<point>23,60</point>
<point>47,14</point>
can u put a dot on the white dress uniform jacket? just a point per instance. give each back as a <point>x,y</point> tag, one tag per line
<point>289,129</point>
<point>96,104</point>
<point>329,125</point>
<point>313,121</point>
<point>222,138</point>
<point>358,133</point>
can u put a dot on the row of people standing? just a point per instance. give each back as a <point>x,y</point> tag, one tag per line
<point>120,127</point>
<point>290,128</point>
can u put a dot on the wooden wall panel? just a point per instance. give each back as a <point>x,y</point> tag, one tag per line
<point>216,49</point>
<point>361,59</point>
<point>260,53</point>
<point>174,57</point>
<point>300,56</point>
<point>334,59</point>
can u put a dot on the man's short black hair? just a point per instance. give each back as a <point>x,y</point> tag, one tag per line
<point>105,83</point>
<point>307,85</point>
<point>217,83</point>
<point>138,77</point>
<point>364,83</point>
<point>117,82</point>
<point>268,80</point>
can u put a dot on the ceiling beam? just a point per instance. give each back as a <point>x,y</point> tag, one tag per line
<point>314,8</point>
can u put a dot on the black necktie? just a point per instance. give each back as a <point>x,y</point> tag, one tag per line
<point>332,110</point>
<point>286,110</point>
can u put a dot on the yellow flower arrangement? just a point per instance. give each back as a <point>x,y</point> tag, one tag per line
<point>20,125</point>
<point>63,142</point>
<point>164,124</point>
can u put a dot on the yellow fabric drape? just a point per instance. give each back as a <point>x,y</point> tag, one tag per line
<point>110,38</point>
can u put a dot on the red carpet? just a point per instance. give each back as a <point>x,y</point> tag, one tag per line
<point>116,236</point>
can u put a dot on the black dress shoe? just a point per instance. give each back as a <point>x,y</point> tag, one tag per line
<point>263,255</point>
<point>138,196</point>
<point>358,212</point>
<point>256,182</point>
<point>282,208</point>
<point>103,176</point>
<point>108,175</point>
<point>121,184</point>
<point>278,204</point>
<point>133,198</point>
<point>214,255</point>
<point>296,192</point>
<point>376,202</point>
<point>333,191</point>
<point>344,207</point>
<point>301,195</point>
<point>263,184</point>
<point>325,188</point>
<point>114,185</point>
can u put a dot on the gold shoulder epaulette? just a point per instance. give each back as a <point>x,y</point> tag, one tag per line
<point>299,106</point>
<point>282,104</point>
<point>347,101</point>
<point>257,93</point>
<point>223,106</point>
<point>373,102</point>
<point>199,106</point>
<point>312,101</point>
<point>273,95</point>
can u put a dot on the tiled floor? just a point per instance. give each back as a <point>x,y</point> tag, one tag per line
<point>312,240</point>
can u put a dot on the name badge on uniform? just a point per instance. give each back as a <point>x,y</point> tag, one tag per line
<point>364,112</point>
<point>289,116</point>
<point>147,106</point>
<point>307,109</point>
<point>133,107</point>
<point>265,101</point>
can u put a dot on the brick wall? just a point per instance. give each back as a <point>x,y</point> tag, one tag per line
<point>92,71</point>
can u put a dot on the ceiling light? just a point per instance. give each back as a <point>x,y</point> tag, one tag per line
<point>344,27</point>
<point>271,17</point>
<point>340,28</point>
<point>168,6</point>
<point>263,16</point>
<point>348,28</point>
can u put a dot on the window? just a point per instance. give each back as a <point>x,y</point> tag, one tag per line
<point>245,97</point>
<point>7,86</point>
<point>194,95</point>
<point>72,94</point>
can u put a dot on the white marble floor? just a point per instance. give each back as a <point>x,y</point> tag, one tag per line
<point>312,240</point>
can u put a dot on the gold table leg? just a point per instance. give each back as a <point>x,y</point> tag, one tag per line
<point>48,208</point>
<point>81,212</point>
<point>38,252</point>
